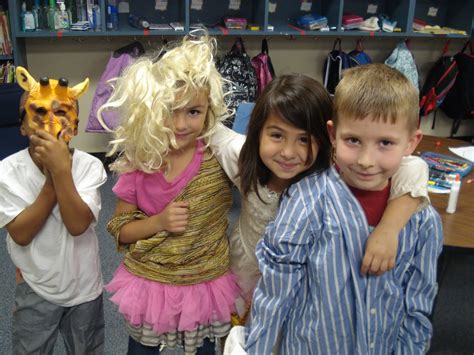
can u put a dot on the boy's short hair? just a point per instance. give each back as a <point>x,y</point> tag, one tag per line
<point>379,91</point>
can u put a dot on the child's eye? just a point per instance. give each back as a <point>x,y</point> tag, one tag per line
<point>304,140</point>
<point>352,140</point>
<point>386,143</point>
<point>60,113</point>
<point>194,112</point>
<point>276,135</point>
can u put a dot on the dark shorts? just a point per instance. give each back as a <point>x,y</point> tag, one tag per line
<point>36,323</point>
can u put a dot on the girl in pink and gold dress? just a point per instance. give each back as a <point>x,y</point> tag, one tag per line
<point>174,286</point>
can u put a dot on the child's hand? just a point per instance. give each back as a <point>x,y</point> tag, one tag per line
<point>174,217</point>
<point>53,154</point>
<point>380,251</point>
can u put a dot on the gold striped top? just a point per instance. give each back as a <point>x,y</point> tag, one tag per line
<point>199,254</point>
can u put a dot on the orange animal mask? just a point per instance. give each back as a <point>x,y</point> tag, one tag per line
<point>51,104</point>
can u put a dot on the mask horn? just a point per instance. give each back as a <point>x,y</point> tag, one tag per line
<point>79,89</point>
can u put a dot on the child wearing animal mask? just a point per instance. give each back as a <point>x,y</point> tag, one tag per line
<point>49,204</point>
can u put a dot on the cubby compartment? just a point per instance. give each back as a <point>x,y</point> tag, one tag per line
<point>393,10</point>
<point>175,12</point>
<point>213,12</point>
<point>282,15</point>
<point>455,14</point>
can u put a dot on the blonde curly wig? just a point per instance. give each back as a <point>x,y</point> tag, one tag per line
<point>148,92</point>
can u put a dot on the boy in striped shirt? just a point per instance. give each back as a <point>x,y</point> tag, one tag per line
<point>311,291</point>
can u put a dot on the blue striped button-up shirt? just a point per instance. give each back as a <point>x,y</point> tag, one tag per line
<point>312,290</point>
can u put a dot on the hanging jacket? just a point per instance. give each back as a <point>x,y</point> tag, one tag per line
<point>118,61</point>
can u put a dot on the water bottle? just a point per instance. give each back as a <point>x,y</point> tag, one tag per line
<point>112,16</point>
<point>96,19</point>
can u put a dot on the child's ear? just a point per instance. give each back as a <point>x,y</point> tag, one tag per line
<point>23,130</point>
<point>413,142</point>
<point>332,131</point>
<point>76,129</point>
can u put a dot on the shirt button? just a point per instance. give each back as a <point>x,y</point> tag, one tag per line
<point>373,311</point>
<point>372,345</point>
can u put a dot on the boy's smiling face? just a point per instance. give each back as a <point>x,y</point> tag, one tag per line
<point>368,152</point>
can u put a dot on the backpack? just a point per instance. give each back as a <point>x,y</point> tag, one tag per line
<point>438,83</point>
<point>358,56</point>
<point>236,67</point>
<point>459,102</point>
<point>402,59</point>
<point>263,67</point>
<point>336,61</point>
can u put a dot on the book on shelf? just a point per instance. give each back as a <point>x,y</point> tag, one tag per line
<point>5,39</point>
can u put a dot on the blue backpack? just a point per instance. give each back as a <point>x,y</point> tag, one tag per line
<point>403,60</point>
<point>334,64</point>
<point>358,56</point>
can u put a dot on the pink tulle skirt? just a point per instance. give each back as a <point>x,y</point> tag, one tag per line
<point>170,308</point>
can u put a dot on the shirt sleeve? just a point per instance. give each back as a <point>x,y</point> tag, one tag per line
<point>12,203</point>
<point>420,287</point>
<point>282,257</point>
<point>89,177</point>
<point>226,145</point>
<point>125,188</point>
<point>411,178</point>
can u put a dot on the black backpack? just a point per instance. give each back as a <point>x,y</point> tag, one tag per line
<point>438,83</point>
<point>459,103</point>
<point>334,64</point>
<point>236,67</point>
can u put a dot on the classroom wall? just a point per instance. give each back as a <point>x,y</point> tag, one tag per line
<point>77,58</point>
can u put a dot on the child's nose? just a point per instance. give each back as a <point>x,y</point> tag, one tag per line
<point>179,122</point>
<point>288,150</point>
<point>365,158</point>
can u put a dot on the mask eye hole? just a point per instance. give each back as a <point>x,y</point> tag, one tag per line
<point>41,111</point>
<point>60,113</point>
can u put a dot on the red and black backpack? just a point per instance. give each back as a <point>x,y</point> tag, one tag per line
<point>459,103</point>
<point>438,83</point>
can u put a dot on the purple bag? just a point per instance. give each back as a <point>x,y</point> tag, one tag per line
<point>118,61</point>
<point>263,68</point>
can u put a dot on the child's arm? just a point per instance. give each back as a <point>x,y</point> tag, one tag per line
<point>420,286</point>
<point>24,227</point>
<point>408,195</point>
<point>174,218</point>
<point>54,154</point>
<point>226,144</point>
